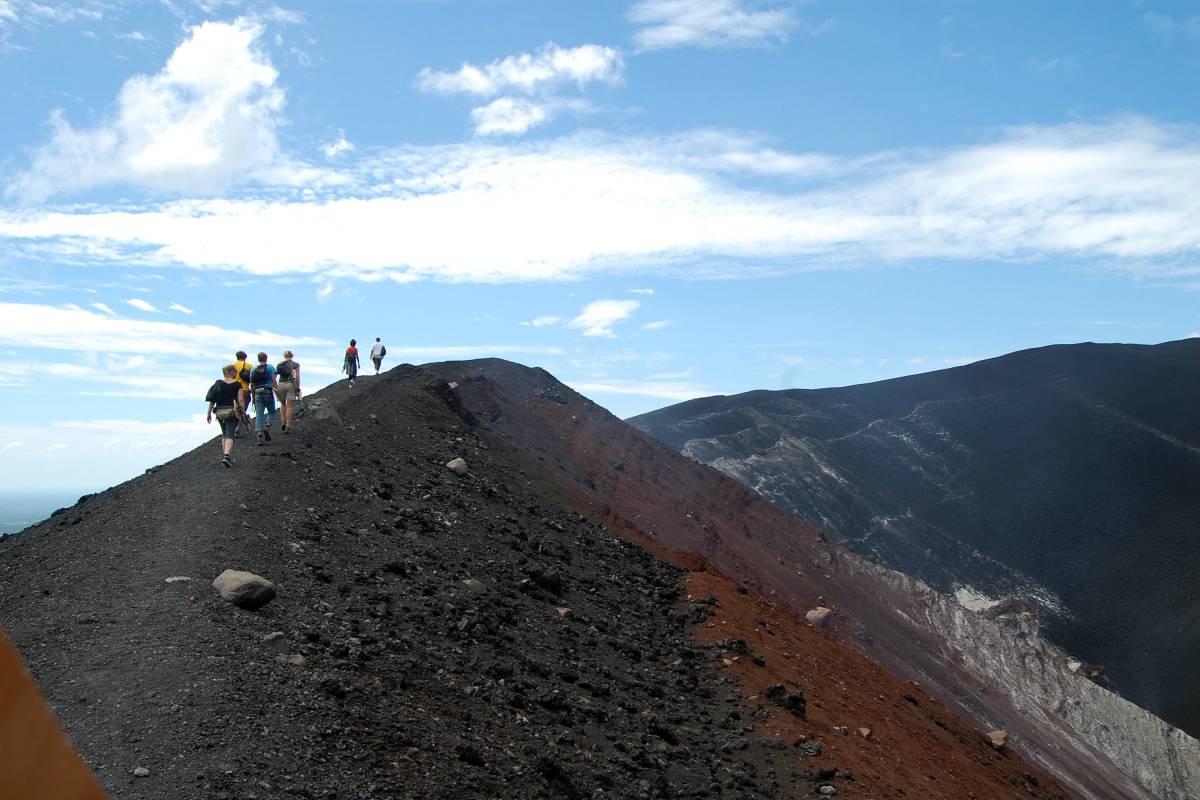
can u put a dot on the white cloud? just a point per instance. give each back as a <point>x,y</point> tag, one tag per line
<point>182,309</point>
<point>640,291</point>
<point>657,325</point>
<point>1125,194</point>
<point>710,23</point>
<point>141,305</point>
<point>953,53</point>
<point>665,390</point>
<point>13,445</point>
<point>103,307</point>
<point>598,317</point>
<point>82,331</point>
<point>205,121</point>
<point>550,67</point>
<point>103,452</point>
<point>336,148</point>
<point>543,321</point>
<point>456,352</point>
<point>508,115</point>
<point>1049,66</point>
<point>1166,25</point>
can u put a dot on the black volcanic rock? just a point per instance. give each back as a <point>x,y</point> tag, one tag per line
<point>1068,476</point>
<point>416,648</point>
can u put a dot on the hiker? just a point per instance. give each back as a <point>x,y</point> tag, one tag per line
<point>289,389</point>
<point>262,385</point>
<point>350,365</point>
<point>243,368</point>
<point>227,399</point>
<point>378,351</point>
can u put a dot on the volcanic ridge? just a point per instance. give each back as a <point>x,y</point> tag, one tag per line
<point>517,630</point>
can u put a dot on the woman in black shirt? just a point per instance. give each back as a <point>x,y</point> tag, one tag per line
<point>225,397</point>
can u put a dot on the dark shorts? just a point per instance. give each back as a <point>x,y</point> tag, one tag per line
<point>229,424</point>
<point>377,361</point>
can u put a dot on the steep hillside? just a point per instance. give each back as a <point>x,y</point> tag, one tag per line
<point>1066,476</point>
<point>438,635</point>
<point>994,669</point>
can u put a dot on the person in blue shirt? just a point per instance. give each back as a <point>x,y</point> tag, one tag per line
<point>263,385</point>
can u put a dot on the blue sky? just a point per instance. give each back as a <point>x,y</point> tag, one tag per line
<point>653,199</point>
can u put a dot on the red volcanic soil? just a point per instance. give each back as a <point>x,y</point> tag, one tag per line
<point>891,736</point>
<point>650,493</point>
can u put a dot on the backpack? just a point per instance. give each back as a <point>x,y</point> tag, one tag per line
<point>244,373</point>
<point>260,378</point>
<point>214,393</point>
<point>284,370</point>
<point>382,350</point>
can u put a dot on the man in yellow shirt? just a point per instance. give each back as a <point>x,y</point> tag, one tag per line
<point>244,369</point>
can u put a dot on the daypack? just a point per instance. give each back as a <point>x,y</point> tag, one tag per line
<point>284,370</point>
<point>382,350</point>
<point>244,374</point>
<point>214,393</point>
<point>260,378</point>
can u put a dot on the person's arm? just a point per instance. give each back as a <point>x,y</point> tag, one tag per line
<point>296,378</point>
<point>208,416</point>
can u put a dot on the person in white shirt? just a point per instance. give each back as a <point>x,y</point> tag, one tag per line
<point>378,351</point>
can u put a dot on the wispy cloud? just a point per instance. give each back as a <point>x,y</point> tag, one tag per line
<point>1049,66</point>
<point>662,389</point>
<point>640,291</point>
<point>473,351</point>
<point>82,331</point>
<point>953,53</point>
<point>529,73</point>
<point>104,307</point>
<point>711,23</point>
<point>508,115</point>
<point>657,325</point>
<point>543,321</point>
<point>1124,193</point>
<point>141,305</point>
<point>1167,26</point>
<point>598,317</point>
<point>338,147</point>
<point>182,309</point>
<point>203,122</point>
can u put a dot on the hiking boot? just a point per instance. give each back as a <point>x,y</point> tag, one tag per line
<point>267,434</point>
<point>260,441</point>
<point>226,461</point>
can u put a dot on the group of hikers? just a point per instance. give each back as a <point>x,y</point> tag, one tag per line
<point>243,383</point>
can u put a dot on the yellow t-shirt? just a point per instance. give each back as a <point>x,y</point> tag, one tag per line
<point>248,367</point>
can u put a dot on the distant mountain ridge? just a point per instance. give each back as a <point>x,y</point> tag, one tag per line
<point>1066,475</point>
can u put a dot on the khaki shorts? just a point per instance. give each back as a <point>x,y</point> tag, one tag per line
<point>286,391</point>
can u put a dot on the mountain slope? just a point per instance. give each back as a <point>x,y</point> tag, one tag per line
<point>434,635</point>
<point>994,669</point>
<point>1065,475</point>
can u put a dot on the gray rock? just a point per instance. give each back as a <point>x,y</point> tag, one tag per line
<point>818,616</point>
<point>457,466</point>
<point>827,791</point>
<point>476,586</point>
<point>141,772</point>
<point>244,589</point>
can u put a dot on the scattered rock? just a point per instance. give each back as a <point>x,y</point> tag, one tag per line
<point>276,641</point>
<point>997,739</point>
<point>244,589</point>
<point>178,579</point>
<point>827,790</point>
<point>458,466</point>
<point>817,617</point>
<point>141,772</point>
<point>790,701</point>
<point>475,585</point>
<point>864,732</point>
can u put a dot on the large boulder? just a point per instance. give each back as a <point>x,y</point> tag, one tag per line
<point>244,589</point>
